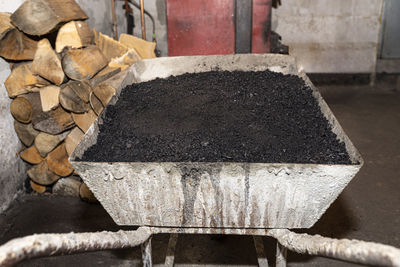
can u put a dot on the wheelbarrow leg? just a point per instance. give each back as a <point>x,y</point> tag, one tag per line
<point>146,253</point>
<point>170,258</point>
<point>261,257</point>
<point>281,252</point>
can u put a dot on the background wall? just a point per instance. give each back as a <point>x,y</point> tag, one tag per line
<point>12,169</point>
<point>389,48</point>
<point>331,36</point>
<point>99,12</point>
<point>326,36</point>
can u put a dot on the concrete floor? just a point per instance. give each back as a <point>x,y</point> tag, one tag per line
<point>368,209</point>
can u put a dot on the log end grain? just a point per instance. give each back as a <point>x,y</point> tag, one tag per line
<point>21,110</point>
<point>41,174</point>
<point>58,161</point>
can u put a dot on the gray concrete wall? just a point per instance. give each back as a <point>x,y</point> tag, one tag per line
<point>331,36</point>
<point>12,169</point>
<point>390,38</point>
<point>99,13</point>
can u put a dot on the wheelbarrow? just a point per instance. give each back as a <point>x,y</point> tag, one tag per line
<point>258,199</point>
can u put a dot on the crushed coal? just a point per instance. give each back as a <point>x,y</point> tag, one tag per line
<point>217,116</point>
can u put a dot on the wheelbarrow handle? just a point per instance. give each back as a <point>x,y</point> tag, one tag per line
<point>356,251</point>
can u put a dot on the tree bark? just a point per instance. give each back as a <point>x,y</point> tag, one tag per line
<point>47,64</point>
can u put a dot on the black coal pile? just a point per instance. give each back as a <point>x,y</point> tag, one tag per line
<point>218,116</point>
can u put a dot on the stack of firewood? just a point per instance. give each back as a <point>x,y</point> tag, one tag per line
<point>59,83</point>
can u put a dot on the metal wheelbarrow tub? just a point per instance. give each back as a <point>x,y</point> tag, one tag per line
<point>217,194</point>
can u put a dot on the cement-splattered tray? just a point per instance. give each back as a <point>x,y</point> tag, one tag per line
<point>216,194</point>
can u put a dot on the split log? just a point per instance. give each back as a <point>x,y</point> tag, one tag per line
<point>104,74</point>
<point>68,186</point>
<point>114,82</point>
<point>49,97</point>
<point>17,46</point>
<point>21,109</point>
<point>126,60</point>
<point>14,44</point>
<point>75,34</point>
<point>96,105</point>
<point>72,140</point>
<point>53,122</point>
<point>145,49</point>
<point>85,120</point>
<point>81,88</point>
<point>29,104</point>
<point>47,64</point>
<point>83,63</point>
<point>32,105</point>
<point>22,80</point>
<point>58,161</point>
<point>5,24</point>
<point>38,188</point>
<point>86,194</point>
<point>25,132</point>
<point>95,35</point>
<point>45,142</point>
<point>110,47</point>
<point>71,100</point>
<point>42,175</point>
<point>39,17</point>
<point>31,155</point>
<point>118,65</point>
<point>104,93</point>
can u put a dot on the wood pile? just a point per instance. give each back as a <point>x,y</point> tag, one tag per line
<point>62,77</point>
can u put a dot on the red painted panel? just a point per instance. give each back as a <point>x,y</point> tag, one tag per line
<point>261,36</point>
<point>200,27</point>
